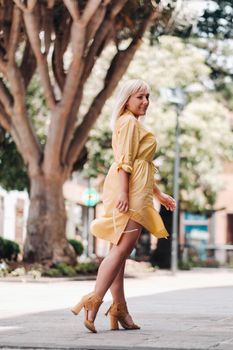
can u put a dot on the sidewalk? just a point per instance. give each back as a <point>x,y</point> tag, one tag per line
<point>192,310</point>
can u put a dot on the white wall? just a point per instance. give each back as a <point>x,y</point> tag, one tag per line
<point>9,212</point>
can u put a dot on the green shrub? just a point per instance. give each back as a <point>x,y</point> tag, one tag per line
<point>185,265</point>
<point>210,262</point>
<point>52,272</point>
<point>77,245</point>
<point>8,249</point>
<point>87,267</point>
<point>66,270</point>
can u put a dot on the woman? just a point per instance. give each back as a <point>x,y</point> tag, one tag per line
<point>128,201</point>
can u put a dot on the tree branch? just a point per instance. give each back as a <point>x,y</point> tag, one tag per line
<point>22,130</point>
<point>100,37</point>
<point>60,46</point>
<point>30,5</point>
<point>73,9</point>
<point>90,9</point>
<point>95,23</point>
<point>4,118</point>
<point>50,3</point>
<point>14,34</point>
<point>32,27</point>
<point>6,98</point>
<point>20,5</point>
<point>2,66</point>
<point>63,110</point>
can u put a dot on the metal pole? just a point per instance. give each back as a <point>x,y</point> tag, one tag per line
<point>176,197</point>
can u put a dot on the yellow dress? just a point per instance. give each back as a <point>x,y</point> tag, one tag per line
<point>134,148</point>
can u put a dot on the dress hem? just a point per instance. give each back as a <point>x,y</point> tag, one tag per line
<point>137,217</point>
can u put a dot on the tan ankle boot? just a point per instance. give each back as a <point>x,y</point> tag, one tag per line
<point>90,302</point>
<point>117,312</point>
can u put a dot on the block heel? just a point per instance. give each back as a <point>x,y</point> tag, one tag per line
<point>118,312</point>
<point>90,302</point>
<point>114,326</point>
<point>77,308</point>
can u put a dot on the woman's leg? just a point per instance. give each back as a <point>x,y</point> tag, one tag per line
<point>117,286</point>
<point>112,263</point>
<point>117,290</point>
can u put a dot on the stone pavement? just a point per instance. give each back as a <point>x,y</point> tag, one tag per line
<point>191,310</point>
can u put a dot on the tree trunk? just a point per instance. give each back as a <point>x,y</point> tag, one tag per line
<point>46,241</point>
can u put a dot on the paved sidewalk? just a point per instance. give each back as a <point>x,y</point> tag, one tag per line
<point>192,310</point>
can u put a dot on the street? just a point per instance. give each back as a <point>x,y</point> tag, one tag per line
<point>192,310</point>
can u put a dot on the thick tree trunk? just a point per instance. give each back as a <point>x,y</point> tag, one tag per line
<point>46,241</point>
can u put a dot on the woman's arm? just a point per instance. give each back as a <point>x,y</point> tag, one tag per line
<point>156,190</point>
<point>164,199</point>
<point>123,198</point>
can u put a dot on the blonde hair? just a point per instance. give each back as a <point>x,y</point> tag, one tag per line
<point>128,88</point>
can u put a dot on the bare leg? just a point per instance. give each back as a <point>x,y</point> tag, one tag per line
<point>117,286</point>
<point>117,289</point>
<point>112,263</point>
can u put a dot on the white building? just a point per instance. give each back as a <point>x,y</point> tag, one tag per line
<point>13,214</point>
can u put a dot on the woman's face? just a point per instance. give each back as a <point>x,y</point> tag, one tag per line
<point>138,103</point>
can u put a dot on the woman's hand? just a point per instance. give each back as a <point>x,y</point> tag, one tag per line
<point>123,202</point>
<point>167,201</point>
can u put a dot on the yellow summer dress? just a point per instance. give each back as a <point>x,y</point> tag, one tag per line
<point>134,148</point>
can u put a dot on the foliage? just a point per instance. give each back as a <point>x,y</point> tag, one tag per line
<point>205,142</point>
<point>191,263</point>
<point>99,152</point>
<point>65,270</point>
<point>213,35</point>
<point>185,265</point>
<point>52,272</point>
<point>35,271</point>
<point>62,269</point>
<point>77,245</point>
<point>87,267</point>
<point>8,249</point>
<point>216,20</point>
<point>13,174</point>
<point>209,262</point>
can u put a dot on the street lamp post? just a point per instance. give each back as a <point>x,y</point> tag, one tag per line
<point>176,97</point>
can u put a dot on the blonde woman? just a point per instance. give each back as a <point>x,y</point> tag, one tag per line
<point>128,201</point>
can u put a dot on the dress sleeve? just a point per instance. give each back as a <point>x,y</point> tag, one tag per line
<point>127,144</point>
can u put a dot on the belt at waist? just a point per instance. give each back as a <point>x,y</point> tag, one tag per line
<point>154,168</point>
